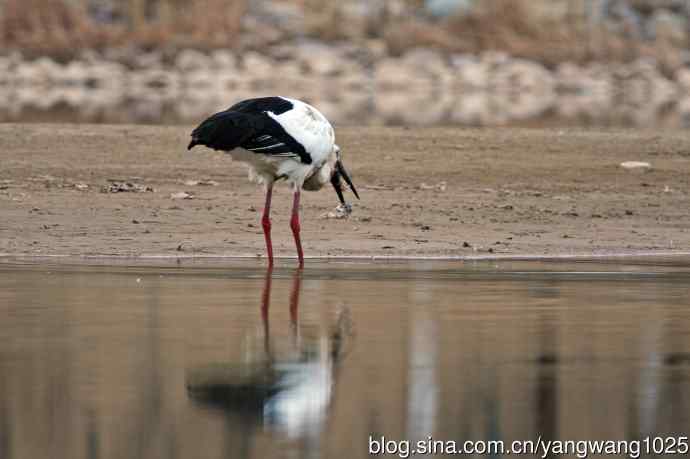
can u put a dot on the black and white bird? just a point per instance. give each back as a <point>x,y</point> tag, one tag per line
<point>279,138</point>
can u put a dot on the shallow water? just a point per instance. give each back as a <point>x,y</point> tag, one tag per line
<point>226,361</point>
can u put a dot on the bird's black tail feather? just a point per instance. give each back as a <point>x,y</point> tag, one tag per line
<point>225,130</point>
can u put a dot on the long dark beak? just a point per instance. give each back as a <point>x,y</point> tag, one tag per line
<point>338,186</point>
<point>340,170</point>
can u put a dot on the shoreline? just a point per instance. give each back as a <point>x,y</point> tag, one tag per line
<point>684,256</point>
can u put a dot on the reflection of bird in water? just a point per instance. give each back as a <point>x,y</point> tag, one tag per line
<point>292,394</point>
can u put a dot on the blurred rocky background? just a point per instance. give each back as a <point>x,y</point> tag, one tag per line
<point>409,62</point>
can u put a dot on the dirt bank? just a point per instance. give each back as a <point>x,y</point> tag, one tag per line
<point>424,192</point>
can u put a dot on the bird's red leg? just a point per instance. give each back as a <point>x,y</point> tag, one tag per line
<point>294,224</point>
<point>294,297</point>
<point>265,304</point>
<point>266,223</point>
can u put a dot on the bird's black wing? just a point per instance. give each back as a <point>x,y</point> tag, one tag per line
<point>247,125</point>
<point>267,144</point>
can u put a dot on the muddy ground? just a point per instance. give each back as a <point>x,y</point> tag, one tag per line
<point>441,191</point>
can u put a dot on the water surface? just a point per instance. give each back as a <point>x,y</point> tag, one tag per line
<point>236,362</point>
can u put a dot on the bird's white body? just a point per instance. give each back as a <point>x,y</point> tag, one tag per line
<point>311,129</point>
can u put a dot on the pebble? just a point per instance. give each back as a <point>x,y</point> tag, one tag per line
<point>630,165</point>
<point>181,195</point>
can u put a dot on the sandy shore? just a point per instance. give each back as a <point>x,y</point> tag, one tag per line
<point>428,192</point>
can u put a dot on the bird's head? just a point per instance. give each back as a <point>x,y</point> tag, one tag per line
<point>339,172</point>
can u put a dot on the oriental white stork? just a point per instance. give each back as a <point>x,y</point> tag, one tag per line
<point>279,138</point>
